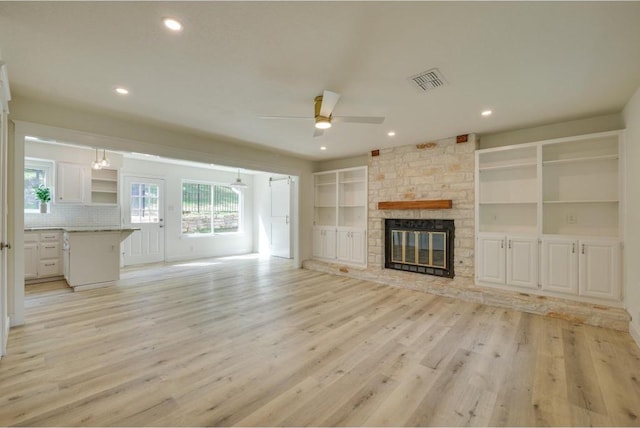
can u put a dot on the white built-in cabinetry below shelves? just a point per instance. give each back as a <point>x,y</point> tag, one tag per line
<point>80,185</point>
<point>340,215</point>
<point>548,217</point>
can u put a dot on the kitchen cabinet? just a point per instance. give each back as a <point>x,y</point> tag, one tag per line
<point>92,257</point>
<point>586,267</point>
<point>104,186</point>
<point>42,255</point>
<point>72,183</point>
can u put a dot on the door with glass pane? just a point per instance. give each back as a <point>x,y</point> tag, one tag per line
<point>144,210</point>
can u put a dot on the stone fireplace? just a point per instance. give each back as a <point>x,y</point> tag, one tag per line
<point>420,246</point>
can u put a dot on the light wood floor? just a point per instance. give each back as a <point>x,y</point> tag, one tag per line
<point>251,341</point>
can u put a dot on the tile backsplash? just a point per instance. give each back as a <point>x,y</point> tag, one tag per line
<point>74,215</point>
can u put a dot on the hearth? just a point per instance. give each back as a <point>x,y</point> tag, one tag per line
<point>420,246</point>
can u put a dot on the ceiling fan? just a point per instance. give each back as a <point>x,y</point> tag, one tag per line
<point>323,114</point>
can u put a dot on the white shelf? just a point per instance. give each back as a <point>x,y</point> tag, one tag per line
<point>508,203</point>
<point>612,201</point>
<point>508,166</point>
<point>325,184</point>
<point>104,191</point>
<point>353,181</point>
<point>351,206</point>
<point>580,159</point>
<point>112,180</point>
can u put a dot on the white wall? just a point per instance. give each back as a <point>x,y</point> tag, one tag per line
<point>178,246</point>
<point>631,115</point>
<point>610,122</point>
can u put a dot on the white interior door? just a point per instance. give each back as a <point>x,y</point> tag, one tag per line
<point>281,217</point>
<point>4,209</point>
<point>143,208</point>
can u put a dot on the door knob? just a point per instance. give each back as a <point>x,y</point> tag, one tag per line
<point>3,246</point>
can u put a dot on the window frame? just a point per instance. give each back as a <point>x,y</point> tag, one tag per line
<point>212,184</point>
<point>48,167</point>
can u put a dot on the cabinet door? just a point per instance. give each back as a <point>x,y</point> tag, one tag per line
<point>491,259</point>
<point>317,242</point>
<point>71,183</point>
<point>358,246</point>
<point>600,269</point>
<point>324,243</point>
<point>560,265</point>
<point>30,260</point>
<point>343,246</point>
<point>351,246</point>
<point>522,261</point>
<point>329,244</point>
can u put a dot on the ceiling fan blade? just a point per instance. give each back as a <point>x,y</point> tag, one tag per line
<point>329,100</point>
<point>318,132</point>
<point>358,119</point>
<point>285,117</point>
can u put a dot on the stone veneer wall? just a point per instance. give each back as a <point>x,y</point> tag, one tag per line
<point>435,170</point>
<point>445,170</point>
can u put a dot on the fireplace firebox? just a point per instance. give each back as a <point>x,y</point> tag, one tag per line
<point>421,246</point>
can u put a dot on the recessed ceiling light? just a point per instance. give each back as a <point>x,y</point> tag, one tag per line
<point>172,24</point>
<point>122,91</point>
<point>487,113</point>
<point>323,148</point>
<point>391,133</point>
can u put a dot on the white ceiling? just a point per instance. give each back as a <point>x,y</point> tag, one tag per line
<point>530,62</point>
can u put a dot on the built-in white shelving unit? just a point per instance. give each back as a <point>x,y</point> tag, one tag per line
<point>548,216</point>
<point>340,215</point>
<point>104,186</point>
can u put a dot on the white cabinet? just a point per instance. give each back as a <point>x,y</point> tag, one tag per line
<point>30,260</point>
<point>564,193</point>
<point>72,183</point>
<point>507,259</point>
<point>42,255</point>
<point>522,261</point>
<point>340,215</point>
<point>560,265</point>
<point>324,242</point>
<point>351,245</point>
<point>587,267</point>
<point>92,257</point>
<point>491,259</point>
<point>104,186</point>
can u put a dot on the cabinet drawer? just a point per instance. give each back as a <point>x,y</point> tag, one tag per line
<point>50,236</point>
<point>49,268</point>
<point>30,237</point>
<point>49,250</point>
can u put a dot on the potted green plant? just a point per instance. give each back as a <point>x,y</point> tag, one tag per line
<point>43,193</point>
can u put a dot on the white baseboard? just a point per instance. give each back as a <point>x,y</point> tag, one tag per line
<point>634,331</point>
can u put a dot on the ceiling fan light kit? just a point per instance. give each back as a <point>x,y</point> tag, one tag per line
<point>323,122</point>
<point>323,106</point>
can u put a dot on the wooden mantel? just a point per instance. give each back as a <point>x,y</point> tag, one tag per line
<point>436,204</point>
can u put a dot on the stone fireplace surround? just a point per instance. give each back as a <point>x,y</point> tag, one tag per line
<point>445,169</point>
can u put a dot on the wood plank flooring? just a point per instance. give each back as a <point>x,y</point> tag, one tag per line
<point>254,342</point>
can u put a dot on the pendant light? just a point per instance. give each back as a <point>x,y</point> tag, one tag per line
<point>96,163</point>
<point>238,184</point>
<point>104,163</point>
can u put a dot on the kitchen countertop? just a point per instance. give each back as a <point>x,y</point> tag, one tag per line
<point>84,229</point>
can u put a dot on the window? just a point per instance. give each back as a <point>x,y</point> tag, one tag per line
<point>144,203</point>
<point>209,208</point>
<point>36,172</point>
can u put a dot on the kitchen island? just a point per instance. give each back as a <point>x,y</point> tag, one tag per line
<point>91,256</point>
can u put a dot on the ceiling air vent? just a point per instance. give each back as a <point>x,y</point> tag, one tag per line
<point>428,80</point>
